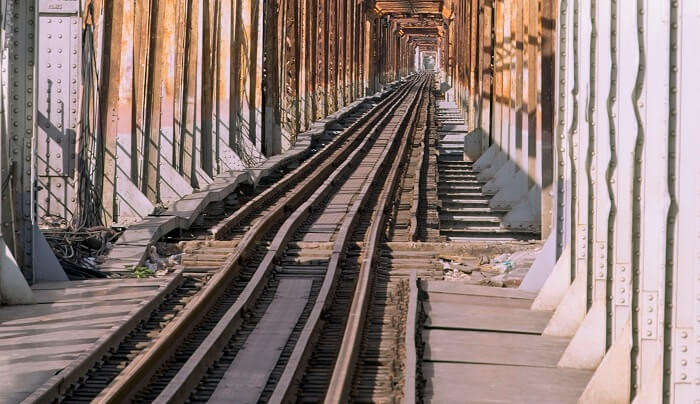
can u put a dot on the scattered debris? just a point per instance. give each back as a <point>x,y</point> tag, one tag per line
<point>498,270</point>
<point>163,259</point>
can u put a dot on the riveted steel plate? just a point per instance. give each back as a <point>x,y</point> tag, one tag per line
<point>18,64</point>
<point>59,44</point>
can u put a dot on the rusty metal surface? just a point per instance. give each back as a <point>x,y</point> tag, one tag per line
<point>193,89</point>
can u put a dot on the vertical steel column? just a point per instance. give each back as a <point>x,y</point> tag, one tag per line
<point>115,36</point>
<point>532,127</point>
<point>546,111</point>
<point>222,112</point>
<point>14,288</point>
<point>207,86</point>
<point>600,202</point>
<point>320,61</point>
<point>350,49</point>
<point>256,75</point>
<point>311,60</point>
<point>651,196</point>
<point>499,67</point>
<point>486,72</point>
<point>507,114</point>
<point>682,306</point>
<point>520,120</point>
<point>340,52</point>
<point>303,49</point>
<point>623,174</point>
<point>188,158</point>
<point>274,141</point>
<point>331,56</point>
<point>171,185</point>
<point>18,134</point>
<point>59,49</point>
<point>290,83</point>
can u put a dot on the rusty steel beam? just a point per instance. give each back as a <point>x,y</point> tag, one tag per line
<point>290,93</point>
<point>341,27</point>
<point>519,119</point>
<point>321,61</point>
<point>186,141</point>
<point>273,78</point>
<point>115,35</point>
<point>331,55</point>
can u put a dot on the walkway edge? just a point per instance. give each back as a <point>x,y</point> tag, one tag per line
<point>57,385</point>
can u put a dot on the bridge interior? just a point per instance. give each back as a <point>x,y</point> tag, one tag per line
<point>441,200</point>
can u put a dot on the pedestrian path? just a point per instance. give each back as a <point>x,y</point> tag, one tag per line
<point>484,344</point>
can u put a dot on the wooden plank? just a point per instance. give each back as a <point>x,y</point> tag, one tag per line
<point>492,318</point>
<point>70,337</point>
<point>472,383</point>
<point>493,348</point>
<point>49,296</point>
<point>108,320</point>
<point>246,377</point>
<point>42,313</point>
<point>464,289</point>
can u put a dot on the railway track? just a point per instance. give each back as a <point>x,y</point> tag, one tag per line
<point>266,273</point>
<point>330,371</point>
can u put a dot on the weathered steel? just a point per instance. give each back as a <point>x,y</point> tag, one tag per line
<point>18,131</point>
<point>57,111</point>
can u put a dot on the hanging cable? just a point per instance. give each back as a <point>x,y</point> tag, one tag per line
<point>91,146</point>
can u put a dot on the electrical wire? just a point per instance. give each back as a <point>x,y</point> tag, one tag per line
<point>91,144</point>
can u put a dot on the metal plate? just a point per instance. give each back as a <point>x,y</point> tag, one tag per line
<point>57,110</point>
<point>59,6</point>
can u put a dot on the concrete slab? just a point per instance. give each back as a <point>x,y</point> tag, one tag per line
<point>72,319</point>
<point>492,348</point>
<point>484,345</point>
<point>481,383</point>
<point>464,289</point>
<point>479,300</point>
<point>148,231</point>
<point>486,318</point>
<point>453,128</point>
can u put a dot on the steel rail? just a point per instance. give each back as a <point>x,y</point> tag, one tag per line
<point>191,372</point>
<point>134,377</point>
<point>341,379</point>
<point>357,128</point>
<point>411,360</point>
<point>296,363</point>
